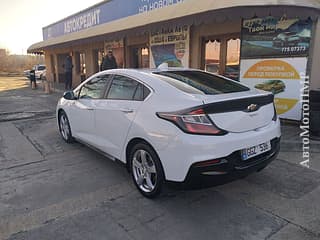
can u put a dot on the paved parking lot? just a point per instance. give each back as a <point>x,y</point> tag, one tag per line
<point>51,190</point>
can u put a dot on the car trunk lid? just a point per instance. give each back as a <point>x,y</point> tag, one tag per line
<point>238,112</point>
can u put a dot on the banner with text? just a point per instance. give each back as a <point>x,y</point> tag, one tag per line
<point>104,12</point>
<point>272,37</point>
<point>170,45</point>
<point>282,77</point>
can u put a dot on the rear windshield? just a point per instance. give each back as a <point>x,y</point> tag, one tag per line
<point>197,82</point>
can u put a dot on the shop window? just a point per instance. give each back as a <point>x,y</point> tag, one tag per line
<point>97,59</point>
<point>139,57</point>
<point>145,57</point>
<point>212,56</point>
<point>100,57</point>
<point>117,48</point>
<point>82,63</point>
<point>233,59</point>
<point>53,68</point>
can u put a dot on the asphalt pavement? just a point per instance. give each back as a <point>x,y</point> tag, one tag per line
<point>53,190</point>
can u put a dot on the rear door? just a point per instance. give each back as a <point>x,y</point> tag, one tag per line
<point>115,114</point>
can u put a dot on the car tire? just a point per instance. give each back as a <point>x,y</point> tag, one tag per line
<point>64,127</point>
<point>146,170</point>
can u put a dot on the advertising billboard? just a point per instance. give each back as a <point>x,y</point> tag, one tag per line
<point>273,37</point>
<point>170,45</point>
<point>282,77</point>
<point>274,56</point>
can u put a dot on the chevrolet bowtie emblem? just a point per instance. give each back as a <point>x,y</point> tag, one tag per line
<point>252,107</point>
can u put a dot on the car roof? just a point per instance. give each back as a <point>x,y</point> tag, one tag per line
<point>152,80</point>
<point>147,77</point>
<point>150,70</point>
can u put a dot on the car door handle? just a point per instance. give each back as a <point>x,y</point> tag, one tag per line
<point>89,109</point>
<point>125,110</point>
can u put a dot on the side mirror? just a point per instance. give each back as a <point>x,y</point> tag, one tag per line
<point>69,95</point>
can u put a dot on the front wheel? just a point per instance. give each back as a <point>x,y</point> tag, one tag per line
<point>64,127</point>
<point>146,170</point>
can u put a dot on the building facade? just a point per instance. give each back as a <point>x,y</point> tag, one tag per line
<point>251,41</point>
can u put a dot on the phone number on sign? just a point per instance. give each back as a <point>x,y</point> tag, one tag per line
<point>296,49</point>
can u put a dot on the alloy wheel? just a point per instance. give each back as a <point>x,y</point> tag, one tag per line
<point>144,171</point>
<point>65,127</point>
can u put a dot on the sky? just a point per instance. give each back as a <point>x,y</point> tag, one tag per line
<point>22,20</point>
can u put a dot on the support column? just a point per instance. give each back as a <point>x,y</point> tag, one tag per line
<point>89,62</point>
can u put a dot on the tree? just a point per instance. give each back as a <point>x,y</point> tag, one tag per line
<point>18,63</point>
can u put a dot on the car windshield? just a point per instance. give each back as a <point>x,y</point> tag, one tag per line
<point>197,82</point>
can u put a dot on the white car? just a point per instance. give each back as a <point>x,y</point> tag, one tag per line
<point>39,70</point>
<point>177,125</point>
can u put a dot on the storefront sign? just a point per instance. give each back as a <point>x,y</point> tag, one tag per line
<point>149,5</point>
<point>272,37</point>
<point>170,45</point>
<point>102,13</point>
<point>282,77</point>
<point>83,21</point>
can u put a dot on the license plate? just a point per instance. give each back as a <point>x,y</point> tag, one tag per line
<point>255,150</point>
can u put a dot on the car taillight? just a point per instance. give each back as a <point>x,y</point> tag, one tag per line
<point>193,122</point>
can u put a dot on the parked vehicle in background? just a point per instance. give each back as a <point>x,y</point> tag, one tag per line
<point>179,125</point>
<point>43,75</point>
<point>40,71</point>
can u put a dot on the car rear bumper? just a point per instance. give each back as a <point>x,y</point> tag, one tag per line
<point>229,168</point>
<point>184,151</point>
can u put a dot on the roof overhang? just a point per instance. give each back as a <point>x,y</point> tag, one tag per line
<point>191,13</point>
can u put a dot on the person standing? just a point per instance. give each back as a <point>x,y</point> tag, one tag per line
<point>109,62</point>
<point>33,80</point>
<point>68,72</point>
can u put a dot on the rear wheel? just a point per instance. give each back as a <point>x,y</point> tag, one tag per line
<point>64,127</point>
<point>146,170</point>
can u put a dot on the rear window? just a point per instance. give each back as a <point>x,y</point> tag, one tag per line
<point>197,82</point>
